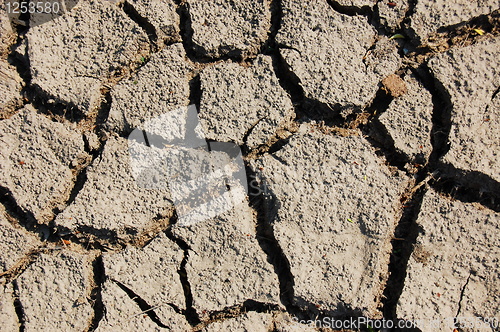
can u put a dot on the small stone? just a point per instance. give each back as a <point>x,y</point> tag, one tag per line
<point>394,85</point>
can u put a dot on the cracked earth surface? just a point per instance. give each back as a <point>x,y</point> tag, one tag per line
<point>370,136</point>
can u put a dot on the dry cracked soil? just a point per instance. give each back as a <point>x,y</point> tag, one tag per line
<point>368,136</point>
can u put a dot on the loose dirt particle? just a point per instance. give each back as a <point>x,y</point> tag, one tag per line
<point>394,85</point>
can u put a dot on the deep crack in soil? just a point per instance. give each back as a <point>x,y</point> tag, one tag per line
<point>142,22</point>
<point>405,237</point>
<point>18,306</point>
<point>98,278</point>
<point>350,10</point>
<point>146,308</point>
<point>190,313</point>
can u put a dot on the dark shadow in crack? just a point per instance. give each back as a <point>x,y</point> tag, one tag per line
<point>142,22</point>
<point>265,204</point>
<point>145,307</point>
<point>406,28</point>
<point>196,53</point>
<point>51,106</point>
<point>407,230</point>
<point>240,309</point>
<point>305,107</point>
<point>350,10</point>
<point>467,186</point>
<point>24,217</point>
<point>378,136</point>
<point>81,177</point>
<point>376,133</point>
<point>457,35</point>
<point>489,23</point>
<point>103,112</point>
<point>405,236</point>
<point>35,95</point>
<point>190,312</point>
<point>377,106</point>
<point>462,293</point>
<point>441,114</point>
<point>88,236</point>
<point>195,92</point>
<point>98,307</point>
<point>18,306</point>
